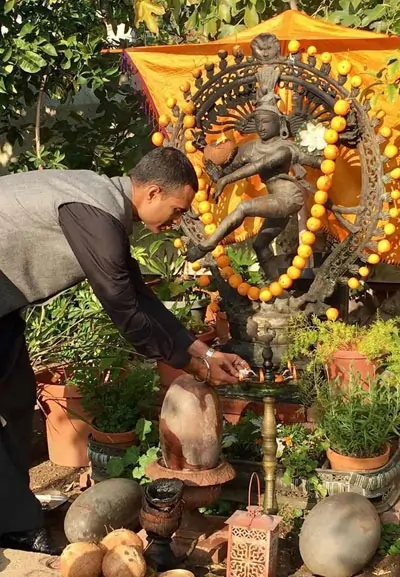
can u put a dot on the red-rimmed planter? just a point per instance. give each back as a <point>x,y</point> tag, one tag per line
<point>67,425</point>
<point>340,462</point>
<point>344,363</point>
<point>117,440</point>
<point>168,374</point>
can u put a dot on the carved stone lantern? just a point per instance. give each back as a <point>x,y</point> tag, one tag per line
<point>253,541</point>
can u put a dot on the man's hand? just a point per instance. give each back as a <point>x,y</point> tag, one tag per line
<point>224,367</point>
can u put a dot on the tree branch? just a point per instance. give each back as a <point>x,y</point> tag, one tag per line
<point>37,123</point>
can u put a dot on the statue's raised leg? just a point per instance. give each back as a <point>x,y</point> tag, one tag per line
<point>227,226</point>
<point>271,228</point>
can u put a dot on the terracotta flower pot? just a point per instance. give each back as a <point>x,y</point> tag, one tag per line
<point>168,374</point>
<point>343,463</point>
<point>347,362</point>
<point>67,433</point>
<point>120,440</point>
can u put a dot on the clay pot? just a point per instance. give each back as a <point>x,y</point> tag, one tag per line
<point>162,507</point>
<point>168,374</point>
<point>67,431</point>
<point>190,426</point>
<point>120,440</point>
<point>347,362</point>
<point>220,153</point>
<point>343,463</point>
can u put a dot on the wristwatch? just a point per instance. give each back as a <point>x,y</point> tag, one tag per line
<point>210,353</point>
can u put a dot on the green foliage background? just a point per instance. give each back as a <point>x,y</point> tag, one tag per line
<point>54,47</point>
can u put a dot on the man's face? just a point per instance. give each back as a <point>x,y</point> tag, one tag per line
<point>160,211</point>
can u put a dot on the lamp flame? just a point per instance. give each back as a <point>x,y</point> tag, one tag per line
<point>261,375</point>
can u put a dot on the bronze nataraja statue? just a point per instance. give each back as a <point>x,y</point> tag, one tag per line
<point>272,156</point>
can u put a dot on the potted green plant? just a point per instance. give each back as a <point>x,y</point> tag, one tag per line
<point>300,452</point>
<point>174,288</point>
<point>358,422</point>
<point>115,397</point>
<point>342,349</point>
<point>133,461</point>
<point>71,331</point>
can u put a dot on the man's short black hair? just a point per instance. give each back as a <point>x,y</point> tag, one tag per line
<point>166,166</point>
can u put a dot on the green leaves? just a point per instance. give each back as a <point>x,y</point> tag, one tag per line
<point>9,5</point>
<point>49,49</point>
<point>26,29</point>
<point>142,429</point>
<point>31,62</point>
<point>115,467</point>
<point>250,16</point>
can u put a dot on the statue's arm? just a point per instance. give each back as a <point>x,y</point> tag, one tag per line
<point>312,160</point>
<point>265,164</point>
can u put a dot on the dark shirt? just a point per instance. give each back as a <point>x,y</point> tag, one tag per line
<point>102,248</point>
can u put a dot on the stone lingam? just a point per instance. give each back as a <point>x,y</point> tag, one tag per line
<point>190,437</point>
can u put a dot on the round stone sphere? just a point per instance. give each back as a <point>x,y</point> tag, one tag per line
<point>340,535</point>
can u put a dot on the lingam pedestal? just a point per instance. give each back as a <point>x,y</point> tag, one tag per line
<point>190,437</point>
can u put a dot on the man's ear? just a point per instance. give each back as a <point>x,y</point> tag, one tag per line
<point>152,192</point>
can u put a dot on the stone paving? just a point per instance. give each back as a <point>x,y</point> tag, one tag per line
<point>22,564</point>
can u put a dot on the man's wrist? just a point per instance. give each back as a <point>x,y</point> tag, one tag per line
<point>200,349</point>
<point>198,366</point>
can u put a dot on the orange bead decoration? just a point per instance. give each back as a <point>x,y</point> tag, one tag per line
<point>293,272</point>
<point>235,280</point>
<point>332,314</point>
<point>253,293</point>
<point>285,281</point>
<point>265,295</point>
<point>276,289</point>
<point>324,183</point>
<point>223,261</point>
<point>331,152</point>
<point>321,197</point>
<point>314,224</point>
<point>308,238</point>
<point>243,289</point>
<point>204,280</point>
<point>328,167</point>
<point>157,139</point>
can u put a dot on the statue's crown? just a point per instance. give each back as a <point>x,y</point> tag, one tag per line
<point>269,103</point>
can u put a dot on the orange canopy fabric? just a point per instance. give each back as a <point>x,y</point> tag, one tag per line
<point>163,69</point>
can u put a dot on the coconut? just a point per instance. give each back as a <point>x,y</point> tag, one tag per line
<point>124,561</point>
<point>220,153</point>
<point>121,537</point>
<point>81,560</point>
